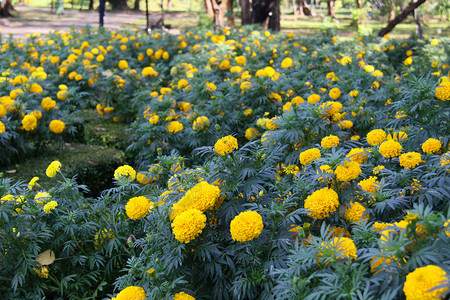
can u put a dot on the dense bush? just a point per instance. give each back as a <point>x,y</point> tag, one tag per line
<point>268,167</point>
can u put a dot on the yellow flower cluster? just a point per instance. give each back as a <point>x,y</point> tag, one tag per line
<point>246,226</point>
<point>442,92</point>
<point>29,122</point>
<point>174,127</point>
<point>251,133</point>
<point>431,146</point>
<point>347,171</point>
<point>125,172</point>
<point>390,149</point>
<point>32,182</point>
<point>370,184</point>
<point>329,141</point>
<point>334,93</point>
<point>53,168</point>
<point>309,155</point>
<point>338,248</point>
<point>331,107</point>
<point>321,203</point>
<point>421,281</point>
<point>286,63</point>
<point>41,197</point>
<point>57,126</point>
<point>131,293</point>
<point>138,207</point>
<point>201,123</point>
<point>202,196</point>
<point>182,296</point>
<point>376,137</point>
<point>355,212</point>
<point>226,145</point>
<point>47,103</point>
<point>410,160</point>
<point>188,225</point>
<point>149,71</point>
<point>359,155</point>
<point>50,206</point>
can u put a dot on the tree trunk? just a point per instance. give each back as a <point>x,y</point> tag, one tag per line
<point>136,5</point>
<point>296,11</point>
<point>169,5</point>
<point>91,4</point>
<point>230,13</point>
<point>209,8</point>
<point>6,8</point>
<point>359,4</point>
<point>245,12</point>
<point>267,13</point>
<point>331,12</point>
<point>401,17</point>
<point>419,30</point>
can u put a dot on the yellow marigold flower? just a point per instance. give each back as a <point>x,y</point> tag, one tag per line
<point>331,107</point>
<point>245,85</point>
<point>376,137</point>
<point>348,171</point>
<point>369,68</point>
<point>431,146</point>
<point>47,103</point>
<point>29,122</point>
<point>182,296</point>
<point>2,111</point>
<point>334,93</point>
<point>355,212</point>
<point>131,293</point>
<point>272,123</point>
<point>188,225</point>
<point>182,83</point>
<point>377,169</point>
<point>338,248</point>
<point>408,61</point>
<point>359,155</point>
<point>248,112</point>
<point>286,63</point>
<point>445,159</point>
<point>313,98</point>
<point>123,64</point>
<point>346,60</point>
<point>246,226</point>
<point>346,124</point>
<point>370,185</point>
<point>50,206</point>
<point>36,88</point>
<point>201,123</point>
<point>354,93</point>
<point>149,71</point>
<point>421,281</point>
<point>446,225</point>
<point>321,203</point>
<point>32,182</point>
<point>202,196</point>
<point>442,92</point>
<point>53,168</point>
<point>226,145</point>
<point>42,272</point>
<point>125,172</point>
<point>309,155</point>
<point>410,160</point>
<point>241,60</point>
<point>262,122</point>
<point>154,119</point>
<point>210,86</point>
<point>224,65</point>
<point>41,197</point>
<point>138,207</point>
<point>390,149</point>
<point>330,141</point>
<point>377,73</point>
<point>251,133</point>
<point>57,126</point>
<point>2,127</point>
<point>174,127</point>
<point>324,169</point>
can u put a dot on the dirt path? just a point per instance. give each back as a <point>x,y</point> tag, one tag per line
<point>31,20</point>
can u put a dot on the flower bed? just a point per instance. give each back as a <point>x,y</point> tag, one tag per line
<point>267,166</point>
